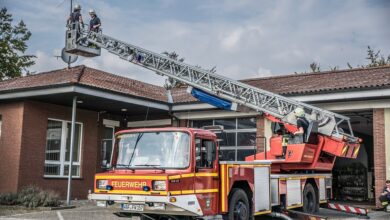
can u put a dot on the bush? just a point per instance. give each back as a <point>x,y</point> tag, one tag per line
<point>33,196</point>
<point>8,199</point>
<point>52,199</point>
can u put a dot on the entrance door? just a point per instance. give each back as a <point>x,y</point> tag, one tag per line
<point>206,175</point>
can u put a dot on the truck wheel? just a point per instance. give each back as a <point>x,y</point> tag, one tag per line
<point>239,206</point>
<point>310,202</point>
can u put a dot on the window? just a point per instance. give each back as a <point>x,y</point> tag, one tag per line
<point>153,150</point>
<point>57,152</point>
<point>238,138</point>
<point>107,146</point>
<point>205,153</point>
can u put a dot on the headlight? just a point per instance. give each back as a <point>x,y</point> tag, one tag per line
<point>101,184</point>
<point>159,185</point>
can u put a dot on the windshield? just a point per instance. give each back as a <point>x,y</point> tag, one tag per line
<point>153,150</point>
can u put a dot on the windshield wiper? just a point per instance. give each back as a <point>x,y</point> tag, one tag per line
<point>135,147</point>
<point>124,166</point>
<point>155,166</point>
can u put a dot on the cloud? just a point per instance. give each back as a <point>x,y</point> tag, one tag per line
<point>47,62</point>
<point>242,39</point>
<point>112,64</point>
<point>262,72</point>
<point>231,41</point>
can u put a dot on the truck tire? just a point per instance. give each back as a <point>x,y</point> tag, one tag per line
<point>310,201</point>
<point>238,206</point>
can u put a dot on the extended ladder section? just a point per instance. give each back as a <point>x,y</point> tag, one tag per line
<point>222,87</point>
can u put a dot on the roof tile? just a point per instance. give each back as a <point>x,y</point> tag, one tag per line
<point>308,83</point>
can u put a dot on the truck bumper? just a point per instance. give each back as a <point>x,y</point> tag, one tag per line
<point>187,205</point>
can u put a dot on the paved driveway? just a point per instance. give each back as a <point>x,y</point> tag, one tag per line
<point>86,212</point>
<point>96,213</point>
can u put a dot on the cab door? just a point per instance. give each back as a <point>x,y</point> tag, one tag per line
<point>206,184</point>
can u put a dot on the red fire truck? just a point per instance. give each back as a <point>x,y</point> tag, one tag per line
<point>176,172</point>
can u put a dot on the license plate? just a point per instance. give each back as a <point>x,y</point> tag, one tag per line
<point>133,207</point>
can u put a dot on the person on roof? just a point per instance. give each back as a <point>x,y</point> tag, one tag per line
<point>76,16</point>
<point>94,23</point>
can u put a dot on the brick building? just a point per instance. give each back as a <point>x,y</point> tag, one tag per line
<point>35,114</point>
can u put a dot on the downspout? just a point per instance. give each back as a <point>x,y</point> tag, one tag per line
<point>170,105</point>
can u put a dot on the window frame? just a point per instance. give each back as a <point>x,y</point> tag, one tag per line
<point>62,162</point>
<point>201,150</point>
<point>236,131</point>
<point>113,144</point>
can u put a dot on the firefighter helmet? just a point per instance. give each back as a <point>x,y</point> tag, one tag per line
<point>76,7</point>
<point>299,112</point>
<point>92,12</point>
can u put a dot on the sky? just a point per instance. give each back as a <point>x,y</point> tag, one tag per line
<point>242,39</point>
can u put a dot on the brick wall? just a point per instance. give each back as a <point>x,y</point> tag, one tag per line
<point>260,140</point>
<point>10,145</point>
<point>379,152</point>
<point>183,123</point>
<point>32,157</point>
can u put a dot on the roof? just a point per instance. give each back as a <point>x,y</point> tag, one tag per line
<point>313,83</point>
<point>86,76</point>
<point>325,82</point>
<point>289,85</point>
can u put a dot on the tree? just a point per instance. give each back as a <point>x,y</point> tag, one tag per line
<point>333,68</point>
<point>172,83</point>
<point>315,67</point>
<point>13,61</point>
<point>376,59</point>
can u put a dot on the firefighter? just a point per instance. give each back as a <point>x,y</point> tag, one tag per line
<point>94,23</point>
<point>302,125</point>
<point>385,195</point>
<point>76,16</point>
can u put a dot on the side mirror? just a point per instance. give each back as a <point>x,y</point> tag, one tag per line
<point>106,165</point>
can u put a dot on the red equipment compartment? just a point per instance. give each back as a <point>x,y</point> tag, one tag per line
<point>300,153</point>
<point>276,146</point>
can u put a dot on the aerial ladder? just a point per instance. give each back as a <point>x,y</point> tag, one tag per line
<point>334,130</point>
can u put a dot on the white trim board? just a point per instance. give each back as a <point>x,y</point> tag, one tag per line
<point>111,123</point>
<point>215,114</point>
<point>336,97</point>
<point>375,93</point>
<point>192,106</point>
<point>355,105</point>
<point>149,123</point>
<point>120,98</point>
<point>86,91</point>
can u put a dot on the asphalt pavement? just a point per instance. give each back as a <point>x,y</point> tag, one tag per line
<point>89,211</point>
